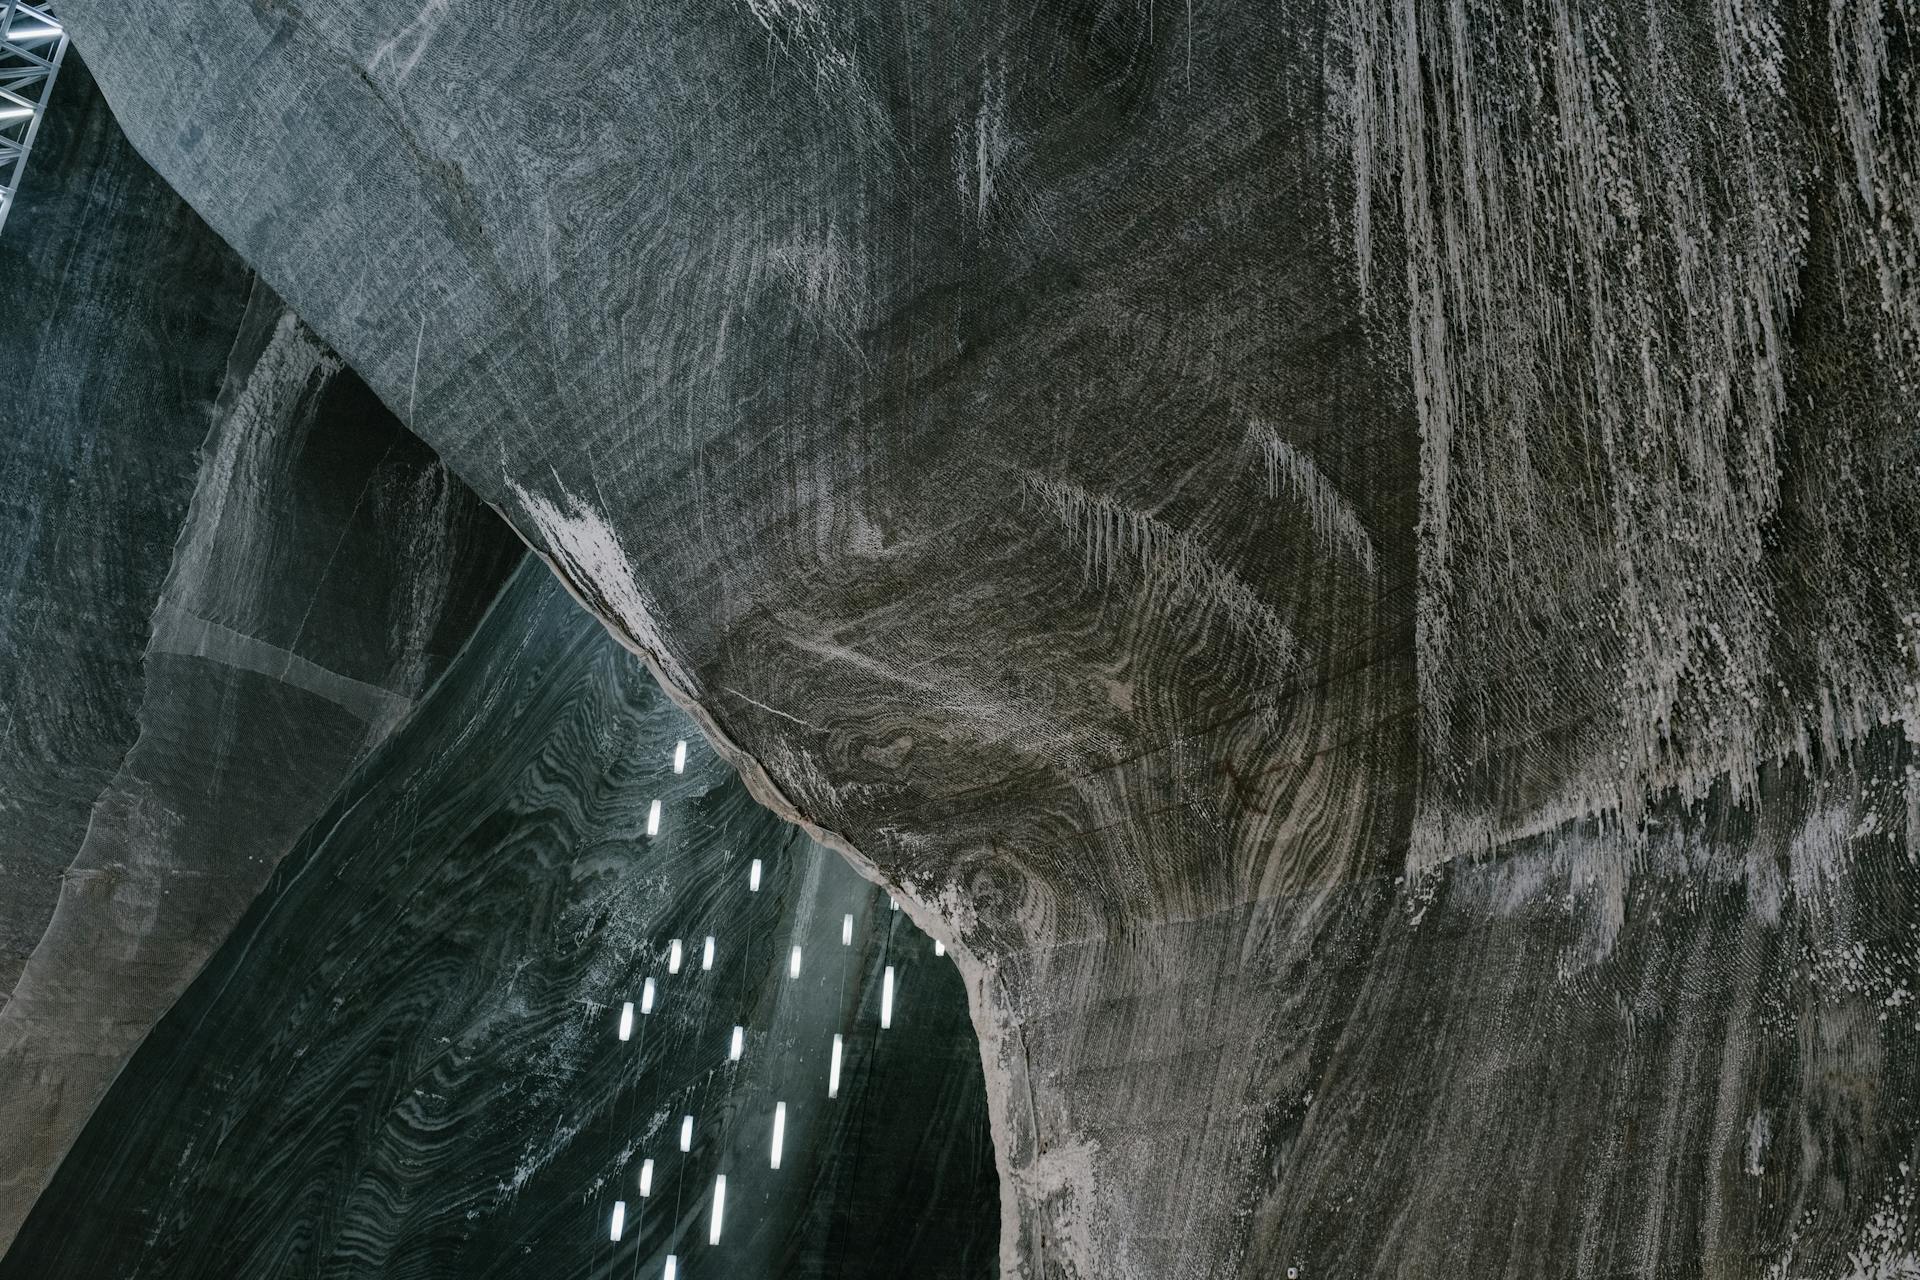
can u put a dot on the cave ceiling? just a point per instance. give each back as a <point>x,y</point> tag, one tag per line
<point>1350,566</point>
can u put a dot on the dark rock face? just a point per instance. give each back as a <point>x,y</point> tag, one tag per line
<point>1356,562</point>
<point>406,1062</point>
<point>121,308</point>
<point>171,736</point>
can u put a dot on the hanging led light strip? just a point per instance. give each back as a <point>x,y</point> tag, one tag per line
<point>32,43</point>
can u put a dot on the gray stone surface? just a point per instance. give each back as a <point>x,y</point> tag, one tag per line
<point>406,1060</point>
<point>1355,561</point>
<point>113,342</point>
<point>170,738</point>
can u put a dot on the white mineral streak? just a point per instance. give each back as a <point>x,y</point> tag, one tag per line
<point>1882,1251</point>
<point>1334,520</point>
<point>1601,255</point>
<point>178,632</point>
<point>595,566</point>
<point>1884,162</point>
<point>238,464</point>
<point>1172,574</point>
<point>1060,1181</point>
<point>804,29</point>
<point>1757,1134</point>
<point>1817,857</point>
<point>822,274</point>
<point>981,145</point>
<point>402,51</point>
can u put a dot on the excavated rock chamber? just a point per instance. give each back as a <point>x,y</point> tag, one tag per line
<point>412,923</point>
<point>1354,563</point>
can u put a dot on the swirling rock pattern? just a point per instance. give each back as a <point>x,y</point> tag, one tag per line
<point>171,728</point>
<point>1355,561</point>
<point>406,1062</point>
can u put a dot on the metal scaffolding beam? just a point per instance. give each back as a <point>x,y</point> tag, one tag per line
<point>32,43</point>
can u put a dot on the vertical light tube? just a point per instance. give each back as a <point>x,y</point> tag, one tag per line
<point>673,956</point>
<point>672,1270</point>
<point>653,818</point>
<point>706,954</point>
<point>686,1133</point>
<point>833,1069</point>
<point>939,947</point>
<point>779,1130</point>
<point>886,998</point>
<point>646,1178</point>
<point>739,1045</point>
<point>893,903</point>
<point>719,1208</point>
<point>793,963</point>
<point>619,1220</point>
<point>753,877</point>
<point>646,996</point>
<point>680,756</point>
<point>626,1020</point>
<point>846,930</point>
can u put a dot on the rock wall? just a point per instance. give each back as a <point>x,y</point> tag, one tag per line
<point>406,1061</point>
<point>121,309</point>
<point>324,568</point>
<point>1353,562</point>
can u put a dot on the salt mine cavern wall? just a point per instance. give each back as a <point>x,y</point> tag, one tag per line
<point>230,572</point>
<point>1354,562</point>
<point>409,1059</point>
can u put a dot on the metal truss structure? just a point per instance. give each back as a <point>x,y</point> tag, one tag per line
<point>32,43</point>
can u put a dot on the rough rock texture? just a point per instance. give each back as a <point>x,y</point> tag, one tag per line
<point>405,1062</point>
<point>120,310</point>
<point>1356,560</point>
<point>168,739</point>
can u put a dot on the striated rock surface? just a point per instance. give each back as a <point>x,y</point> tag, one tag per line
<point>171,737</point>
<point>120,310</point>
<point>407,1060</point>
<point>1355,562</point>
